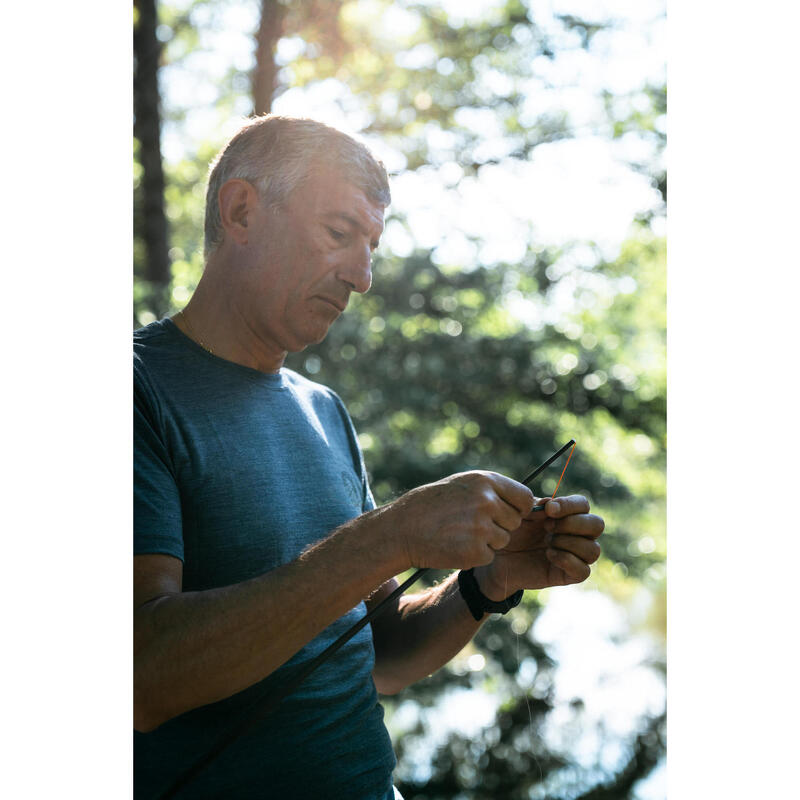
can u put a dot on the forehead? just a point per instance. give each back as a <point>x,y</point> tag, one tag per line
<point>327,195</point>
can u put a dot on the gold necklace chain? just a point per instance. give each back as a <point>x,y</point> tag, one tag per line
<point>193,334</point>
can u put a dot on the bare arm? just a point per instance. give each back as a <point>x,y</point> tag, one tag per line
<point>194,648</point>
<point>419,634</point>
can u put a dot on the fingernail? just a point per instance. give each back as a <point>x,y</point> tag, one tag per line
<point>553,507</point>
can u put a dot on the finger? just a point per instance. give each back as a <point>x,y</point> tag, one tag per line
<point>488,503</point>
<point>564,506</point>
<point>513,492</point>
<point>587,550</point>
<point>577,524</point>
<point>505,515</point>
<point>498,537</point>
<point>480,558</point>
<point>483,555</point>
<point>573,567</point>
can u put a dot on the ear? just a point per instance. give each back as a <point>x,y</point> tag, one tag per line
<point>237,199</point>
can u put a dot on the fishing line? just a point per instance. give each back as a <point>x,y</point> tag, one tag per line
<point>267,704</point>
<point>565,468</point>
<point>526,693</point>
<point>530,714</point>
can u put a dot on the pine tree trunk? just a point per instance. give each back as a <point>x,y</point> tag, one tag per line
<point>147,129</point>
<point>265,74</point>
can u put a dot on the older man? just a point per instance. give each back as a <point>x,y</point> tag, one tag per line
<point>257,539</point>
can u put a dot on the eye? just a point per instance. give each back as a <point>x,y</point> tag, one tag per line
<point>336,235</point>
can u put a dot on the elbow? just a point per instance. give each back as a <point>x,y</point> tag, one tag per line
<point>387,684</point>
<point>144,721</point>
<point>392,675</point>
<point>149,692</point>
<point>146,718</point>
<point>388,689</point>
<point>147,713</point>
<point>142,724</point>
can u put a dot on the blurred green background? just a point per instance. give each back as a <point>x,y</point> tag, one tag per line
<point>519,300</point>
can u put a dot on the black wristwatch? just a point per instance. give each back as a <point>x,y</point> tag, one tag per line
<point>477,602</point>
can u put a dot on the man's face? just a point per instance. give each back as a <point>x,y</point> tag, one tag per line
<point>307,257</point>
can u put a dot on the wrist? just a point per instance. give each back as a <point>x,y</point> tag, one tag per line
<point>477,602</point>
<point>489,586</point>
<point>387,543</point>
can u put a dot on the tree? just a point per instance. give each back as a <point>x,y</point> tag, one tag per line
<point>266,70</point>
<point>151,220</point>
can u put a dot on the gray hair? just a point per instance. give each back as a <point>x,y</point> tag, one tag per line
<point>276,154</point>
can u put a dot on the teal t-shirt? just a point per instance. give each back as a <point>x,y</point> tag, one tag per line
<point>236,472</point>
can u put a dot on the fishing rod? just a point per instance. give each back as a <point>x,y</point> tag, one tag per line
<point>267,704</point>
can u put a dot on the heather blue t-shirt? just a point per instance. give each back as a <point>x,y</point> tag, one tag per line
<point>236,472</point>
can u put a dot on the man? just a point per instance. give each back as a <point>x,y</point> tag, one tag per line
<point>257,539</point>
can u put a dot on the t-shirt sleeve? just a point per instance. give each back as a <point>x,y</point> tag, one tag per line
<point>157,520</point>
<point>368,502</point>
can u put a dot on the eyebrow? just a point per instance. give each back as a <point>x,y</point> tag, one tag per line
<point>355,222</point>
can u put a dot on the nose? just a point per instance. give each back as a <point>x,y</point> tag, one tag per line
<point>357,270</point>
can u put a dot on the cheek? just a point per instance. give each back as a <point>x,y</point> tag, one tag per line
<point>312,264</point>
<point>318,254</point>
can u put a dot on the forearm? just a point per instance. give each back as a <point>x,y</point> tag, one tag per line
<point>194,648</point>
<point>421,635</point>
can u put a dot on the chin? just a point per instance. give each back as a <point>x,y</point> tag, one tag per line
<point>307,338</point>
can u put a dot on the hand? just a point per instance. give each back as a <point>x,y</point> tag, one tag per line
<point>553,547</point>
<point>457,522</point>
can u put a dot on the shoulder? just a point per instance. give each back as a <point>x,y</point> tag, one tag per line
<point>160,349</point>
<point>157,358</point>
<point>153,338</point>
<point>324,403</point>
<point>305,386</point>
<point>324,400</point>
<point>148,342</point>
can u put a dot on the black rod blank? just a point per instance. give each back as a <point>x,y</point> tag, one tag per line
<point>543,467</point>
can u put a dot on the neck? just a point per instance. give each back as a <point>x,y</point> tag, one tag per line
<point>216,322</point>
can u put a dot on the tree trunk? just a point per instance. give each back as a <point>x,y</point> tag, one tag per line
<point>147,129</point>
<point>265,74</point>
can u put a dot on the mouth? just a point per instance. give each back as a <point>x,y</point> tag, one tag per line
<point>337,304</point>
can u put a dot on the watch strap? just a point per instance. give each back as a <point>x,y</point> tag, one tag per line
<point>477,602</point>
